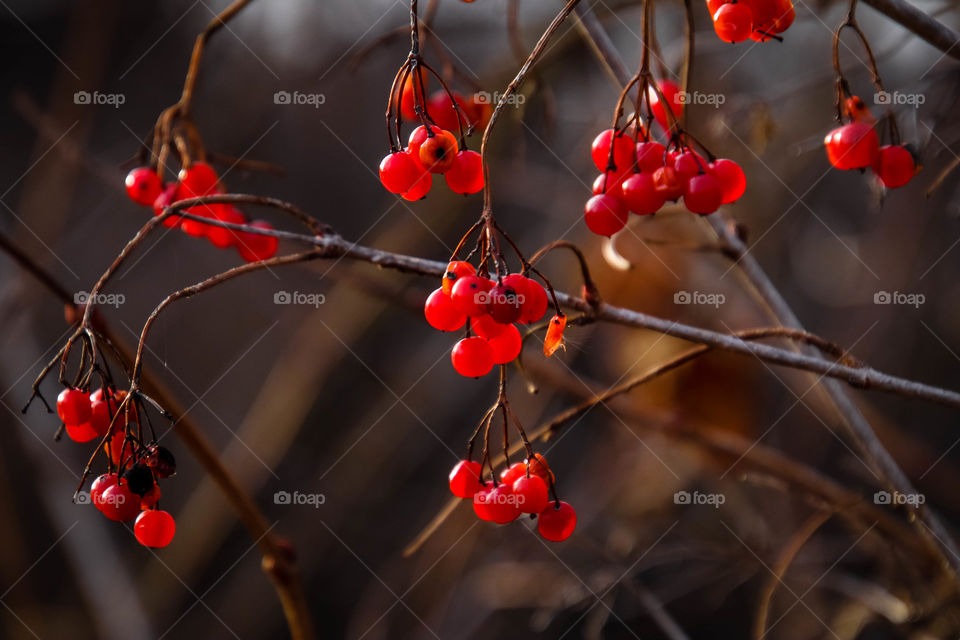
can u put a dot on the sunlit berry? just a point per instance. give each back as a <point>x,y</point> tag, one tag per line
<point>610,182</point>
<point>674,97</point>
<point>73,406</point>
<point>465,479</point>
<point>486,327</point>
<point>733,182</point>
<point>398,172</point>
<point>84,432</point>
<point>119,503</point>
<point>667,181</point>
<point>472,357</point>
<point>499,504</point>
<point>438,152</point>
<point>624,151</point>
<point>471,295</point>
<point>456,269</point>
<point>650,156</point>
<point>895,166</point>
<point>506,346</point>
<point>703,194</point>
<point>733,22</point>
<point>101,484</point>
<point>512,473</point>
<point>143,185</point>
<point>441,110</point>
<point>605,214</point>
<point>154,528</point>
<point>639,194</point>
<point>535,301</point>
<point>441,314</point>
<point>531,492</point>
<point>557,522</point>
<point>852,146</point>
<point>465,175</point>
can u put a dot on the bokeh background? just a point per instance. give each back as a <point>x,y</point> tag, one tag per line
<point>356,399</point>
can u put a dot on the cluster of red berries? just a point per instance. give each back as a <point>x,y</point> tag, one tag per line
<point>524,487</point>
<point>430,150</point>
<point>491,307</point>
<point>760,20</point>
<point>640,176</point>
<point>132,491</point>
<point>856,145</point>
<point>145,187</point>
<point>440,105</point>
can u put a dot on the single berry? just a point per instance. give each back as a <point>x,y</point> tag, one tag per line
<point>418,136</point>
<point>162,461</point>
<point>465,175</point>
<point>399,172</point>
<point>557,521</point>
<point>441,314</point>
<point>640,195</point>
<point>650,156</point>
<point>895,166</point>
<point>199,179</point>
<point>73,406</point>
<point>441,109</point>
<point>605,214</point>
<point>852,146</point>
<point>624,151</point>
<point>733,182</point>
<point>535,301</point>
<point>465,479</point>
<point>667,181</point>
<point>531,493</point>
<point>154,528</point>
<point>421,188</point>
<point>438,152</point>
<point>472,357</point>
<point>254,247</point>
<point>675,98</point>
<point>119,503</point>
<point>505,303</point>
<point>80,432</point>
<point>481,503</point>
<point>101,484</point>
<point>100,416</point>
<point>512,473</point>
<point>456,269</point>
<point>471,295</point>
<point>689,164</point>
<point>506,346</point>
<point>498,504</point>
<point>143,185</point>
<point>703,194</point>
<point>733,22</point>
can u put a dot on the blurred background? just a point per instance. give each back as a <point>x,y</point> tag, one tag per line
<point>355,400</point>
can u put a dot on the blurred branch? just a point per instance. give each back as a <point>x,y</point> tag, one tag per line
<point>912,19</point>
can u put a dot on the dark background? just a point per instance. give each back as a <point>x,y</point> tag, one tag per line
<point>356,400</point>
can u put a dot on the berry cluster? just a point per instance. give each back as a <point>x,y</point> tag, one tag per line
<point>145,187</point>
<point>491,307</point>
<point>443,107</point>
<point>856,145</point>
<point>129,489</point>
<point>760,20</point>
<point>523,488</point>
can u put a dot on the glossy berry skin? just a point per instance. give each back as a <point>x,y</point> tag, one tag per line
<point>650,156</point>
<point>486,327</point>
<point>101,484</point>
<point>895,166</point>
<point>512,473</point>
<point>733,182</point>
<point>481,503</point>
<point>254,247</point>
<point>535,301</point>
<point>81,432</point>
<point>418,136</point>
<point>557,522</point>
<point>219,236</point>
<point>703,194</point>
<point>852,146</point>
<point>472,357</point>
<point>100,415</point>
<point>465,175</point>
<point>531,492</point>
<point>498,504</point>
<point>118,503</point>
<point>610,182</point>
<point>605,214</point>
<point>505,303</point>
<point>689,164</point>
<point>199,179</point>
<point>398,172</point>
<point>161,461</point>
<point>441,314</point>
<point>506,346</point>
<point>154,528</point>
<point>143,185</point>
<point>73,406</point>
<point>674,98</point>
<point>438,152</point>
<point>733,22</point>
<point>623,151</point>
<point>471,295</point>
<point>421,187</point>
<point>639,194</point>
<point>456,269</point>
<point>667,181</point>
<point>115,448</point>
<point>465,479</point>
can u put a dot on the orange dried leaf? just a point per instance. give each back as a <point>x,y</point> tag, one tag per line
<point>554,339</point>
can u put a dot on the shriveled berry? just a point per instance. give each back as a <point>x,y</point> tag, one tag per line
<point>155,528</point>
<point>472,357</point>
<point>161,461</point>
<point>139,478</point>
<point>557,522</point>
<point>465,479</point>
<point>441,314</point>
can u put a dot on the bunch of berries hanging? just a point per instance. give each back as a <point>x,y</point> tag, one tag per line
<point>760,20</point>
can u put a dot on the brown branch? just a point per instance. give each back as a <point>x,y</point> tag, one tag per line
<point>926,27</point>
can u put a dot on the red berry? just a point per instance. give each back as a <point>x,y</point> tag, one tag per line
<point>498,504</point>
<point>199,229</point>
<point>254,247</point>
<point>399,172</point>
<point>100,415</point>
<point>472,357</point>
<point>895,166</point>
<point>733,182</point>
<point>167,197</point>
<point>852,146</point>
<point>116,448</point>
<point>421,188</point>
<point>675,99</point>
<point>512,473</point>
<point>486,327</point>
<point>441,109</point>
<point>456,269</point>
<point>505,302</point>
<point>610,182</point>
<point>667,181</point>
<point>417,137</point>
<point>733,22</point>
<point>557,521</point>
<point>539,467</point>
<point>81,432</point>
<point>640,195</point>
<point>471,295</point>
<point>143,185</point>
<point>623,151</point>
<point>465,175</point>
<point>221,237</point>
<point>689,164</point>
<point>650,156</point>
<point>703,194</point>
<point>465,479</point>
<point>199,179</point>
<point>531,493</point>
<point>119,503</point>
<point>535,301</point>
<point>605,214</point>
<point>506,346</point>
<point>73,406</point>
<point>479,110</point>
<point>408,97</point>
<point>101,484</point>
<point>785,16</point>
<point>154,528</point>
<point>438,152</point>
<point>441,314</point>
<point>713,5</point>
<point>481,503</point>
<point>150,498</point>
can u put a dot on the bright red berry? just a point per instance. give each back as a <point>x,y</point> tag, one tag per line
<point>481,503</point>
<point>441,314</point>
<point>143,185</point>
<point>441,109</point>
<point>895,166</point>
<point>100,415</point>
<point>538,466</point>
<point>150,498</point>
<point>640,195</point>
<point>557,522</point>
<point>512,473</point>
<point>498,504</point>
<point>101,484</point>
<point>81,432</point>
<point>421,187</point>
<point>456,269</point>
<point>438,152</point>
<point>472,357</point>
<point>667,181</point>
<point>486,327</point>
<point>624,151</point>
<point>535,301</point>
<point>73,406</point>
<point>531,493</point>
<point>154,528</point>
<point>116,448</point>
<point>408,97</point>
<point>605,214</point>
<point>465,175</point>
<point>650,156</point>
<point>254,247</point>
<point>505,304</point>
<point>199,179</point>
<point>674,97</point>
<point>610,182</point>
<point>689,164</point>
<point>852,146</point>
<point>703,194</point>
<point>398,172</point>
<point>119,503</point>
<point>471,295</point>
<point>221,237</point>
<point>506,346</point>
<point>733,22</point>
<point>733,182</point>
<point>465,479</point>
<point>196,228</point>
<point>479,110</point>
